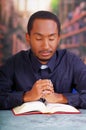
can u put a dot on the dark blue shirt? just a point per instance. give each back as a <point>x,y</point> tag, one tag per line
<point>65,70</point>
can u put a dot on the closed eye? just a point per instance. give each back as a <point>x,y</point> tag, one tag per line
<point>51,39</point>
<point>39,39</point>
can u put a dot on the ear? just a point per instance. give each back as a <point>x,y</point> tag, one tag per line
<point>59,38</point>
<point>28,38</point>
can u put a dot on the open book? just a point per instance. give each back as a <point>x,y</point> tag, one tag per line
<point>38,107</point>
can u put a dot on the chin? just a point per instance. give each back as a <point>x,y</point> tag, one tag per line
<point>44,59</point>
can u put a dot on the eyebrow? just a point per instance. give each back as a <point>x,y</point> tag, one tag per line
<point>42,34</point>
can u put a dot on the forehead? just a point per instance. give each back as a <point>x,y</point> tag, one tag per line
<point>44,26</point>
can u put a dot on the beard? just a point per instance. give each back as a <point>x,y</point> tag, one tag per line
<point>44,61</point>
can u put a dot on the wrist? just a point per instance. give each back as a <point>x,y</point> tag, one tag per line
<point>61,99</point>
<point>26,97</point>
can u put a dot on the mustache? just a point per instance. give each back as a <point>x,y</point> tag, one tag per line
<point>45,51</point>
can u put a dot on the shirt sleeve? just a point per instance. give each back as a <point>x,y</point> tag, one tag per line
<point>77,100</point>
<point>79,76</point>
<point>9,98</point>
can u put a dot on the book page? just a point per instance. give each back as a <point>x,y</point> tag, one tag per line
<point>57,107</point>
<point>30,106</point>
<point>40,107</point>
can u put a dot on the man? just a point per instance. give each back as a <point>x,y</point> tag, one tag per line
<point>43,72</point>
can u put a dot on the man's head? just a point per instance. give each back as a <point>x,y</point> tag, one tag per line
<point>43,35</point>
<point>43,15</point>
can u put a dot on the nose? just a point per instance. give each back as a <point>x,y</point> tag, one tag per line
<point>45,44</point>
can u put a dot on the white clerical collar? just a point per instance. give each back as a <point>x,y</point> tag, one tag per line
<point>44,66</point>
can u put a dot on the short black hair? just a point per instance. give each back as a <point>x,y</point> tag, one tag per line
<point>42,15</point>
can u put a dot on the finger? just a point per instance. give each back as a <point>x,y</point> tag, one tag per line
<point>45,85</point>
<point>46,92</point>
<point>44,81</point>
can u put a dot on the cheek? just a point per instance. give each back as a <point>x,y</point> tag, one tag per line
<point>34,48</point>
<point>54,45</point>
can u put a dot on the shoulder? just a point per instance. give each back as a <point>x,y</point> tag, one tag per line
<point>16,62</point>
<point>18,58</point>
<point>65,52</point>
<point>67,56</point>
<point>22,55</point>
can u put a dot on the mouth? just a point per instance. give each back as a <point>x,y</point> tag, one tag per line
<point>45,53</point>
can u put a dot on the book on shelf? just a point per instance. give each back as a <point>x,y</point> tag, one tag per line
<point>38,107</point>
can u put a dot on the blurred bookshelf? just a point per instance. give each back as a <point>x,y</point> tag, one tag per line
<point>73,29</point>
<point>69,33</point>
<point>12,32</point>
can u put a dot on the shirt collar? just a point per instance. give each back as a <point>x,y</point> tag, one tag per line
<point>52,62</point>
<point>37,65</point>
<point>44,67</point>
